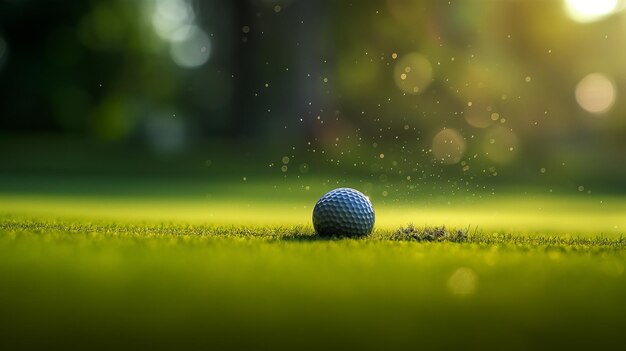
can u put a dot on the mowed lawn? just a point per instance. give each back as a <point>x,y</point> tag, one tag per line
<point>227,272</point>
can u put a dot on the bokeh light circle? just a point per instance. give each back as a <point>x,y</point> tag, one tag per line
<point>169,16</point>
<point>164,133</point>
<point>448,146</point>
<point>194,50</point>
<point>477,117</point>
<point>595,93</point>
<point>413,73</point>
<point>590,10</point>
<point>500,144</point>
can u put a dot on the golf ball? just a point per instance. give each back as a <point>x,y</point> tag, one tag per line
<point>343,212</point>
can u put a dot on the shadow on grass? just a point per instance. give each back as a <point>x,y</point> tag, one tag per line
<point>408,233</point>
<point>303,238</point>
<point>316,237</point>
<point>308,234</point>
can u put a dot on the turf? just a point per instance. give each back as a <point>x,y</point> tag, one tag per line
<point>530,214</point>
<point>110,263</point>
<point>80,283</point>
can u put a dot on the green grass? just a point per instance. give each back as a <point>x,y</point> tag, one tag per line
<point>530,214</point>
<point>102,283</point>
<point>88,262</point>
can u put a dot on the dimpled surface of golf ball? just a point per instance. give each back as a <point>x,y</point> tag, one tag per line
<point>343,212</point>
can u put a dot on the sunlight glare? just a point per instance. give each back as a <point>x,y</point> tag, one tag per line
<point>589,10</point>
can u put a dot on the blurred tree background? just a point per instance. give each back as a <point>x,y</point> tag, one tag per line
<point>470,91</point>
